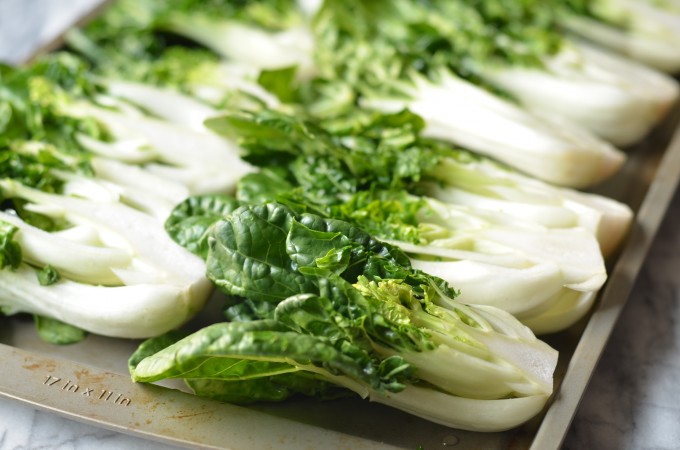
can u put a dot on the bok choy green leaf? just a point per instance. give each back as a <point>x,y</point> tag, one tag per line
<point>324,304</point>
<point>501,238</point>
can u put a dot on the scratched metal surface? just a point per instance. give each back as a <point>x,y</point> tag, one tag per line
<point>89,381</point>
<point>110,400</point>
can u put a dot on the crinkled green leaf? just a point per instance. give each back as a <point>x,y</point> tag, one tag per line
<point>331,159</point>
<point>248,254</point>
<point>263,186</point>
<point>189,222</point>
<point>248,350</point>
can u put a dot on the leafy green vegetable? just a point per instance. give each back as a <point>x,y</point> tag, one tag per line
<point>138,40</point>
<point>48,275</point>
<point>57,332</point>
<point>10,250</point>
<point>427,36</point>
<point>190,221</point>
<point>323,303</point>
<point>246,350</point>
<point>385,55</point>
<point>331,160</point>
<point>408,47</point>
<point>86,182</point>
<point>259,267</point>
<point>458,215</point>
<point>33,100</point>
<point>110,290</point>
<point>370,147</point>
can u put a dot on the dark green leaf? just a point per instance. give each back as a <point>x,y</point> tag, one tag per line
<point>248,254</point>
<point>57,332</point>
<point>263,186</point>
<point>250,350</point>
<point>190,221</point>
<point>280,82</point>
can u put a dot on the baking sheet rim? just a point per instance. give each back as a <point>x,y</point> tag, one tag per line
<point>591,344</point>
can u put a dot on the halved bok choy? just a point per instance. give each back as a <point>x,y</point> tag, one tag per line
<point>87,181</point>
<point>321,306</point>
<point>644,30</point>
<point>500,237</point>
<point>344,58</point>
<point>522,51</point>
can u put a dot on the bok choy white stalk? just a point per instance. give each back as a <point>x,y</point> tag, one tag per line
<point>521,268</point>
<point>529,58</point>
<point>544,147</point>
<point>566,219</point>
<point>127,280</point>
<point>617,99</point>
<point>183,150</point>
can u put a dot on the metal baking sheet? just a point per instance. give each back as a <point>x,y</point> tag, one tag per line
<point>89,381</point>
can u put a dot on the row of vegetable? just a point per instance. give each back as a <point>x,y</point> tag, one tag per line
<point>385,191</point>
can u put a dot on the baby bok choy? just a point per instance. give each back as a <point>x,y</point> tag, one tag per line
<point>645,30</point>
<point>404,55</point>
<point>124,47</point>
<point>87,181</point>
<point>264,35</point>
<point>366,52</point>
<point>501,238</point>
<point>110,270</point>
<point>319,305</point>
<point>546,277</point>
<point>521,50</point>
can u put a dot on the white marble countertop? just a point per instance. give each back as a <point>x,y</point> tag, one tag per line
<point>632,402</point>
